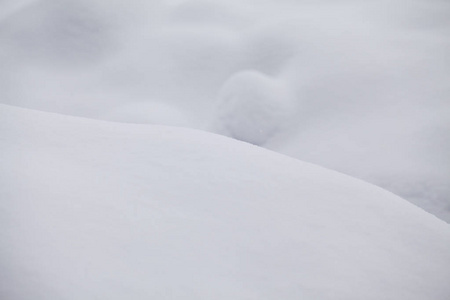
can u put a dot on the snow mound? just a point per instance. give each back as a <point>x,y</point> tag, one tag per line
<point>252,107</point>
<point>372,77</point>
<point>101,210</point>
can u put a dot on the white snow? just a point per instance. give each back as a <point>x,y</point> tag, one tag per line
<point>252,107</point>
<point>99,200</point>
<point>105,210</point>
<point>147,112</point>
<point>367,81</point>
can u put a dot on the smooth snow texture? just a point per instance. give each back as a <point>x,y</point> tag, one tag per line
<point>368,81</point>
<point>252,107</point>
<point>147,113</point>
<point>104,210</point>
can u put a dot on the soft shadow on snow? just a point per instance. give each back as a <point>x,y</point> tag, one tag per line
<point>93,209</point>
<point>362,88</point>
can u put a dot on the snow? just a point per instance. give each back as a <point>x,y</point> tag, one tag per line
<point>363,87</point>
<point>106,210</point>
<point>252,107</point>
<point>101,199</point>
<point>147,113</point>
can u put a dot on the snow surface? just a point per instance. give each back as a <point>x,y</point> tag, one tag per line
<point>102,210</point>
<point>252,107</point>
<point>361,87</point>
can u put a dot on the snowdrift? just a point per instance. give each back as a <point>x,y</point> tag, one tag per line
<point>101,210</point>
<point>360,87</point>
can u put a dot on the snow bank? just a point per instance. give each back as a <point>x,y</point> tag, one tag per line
<point>93,209</point>
<point>371,78</point>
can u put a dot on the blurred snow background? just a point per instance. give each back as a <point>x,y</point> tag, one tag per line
<point>359,87</point>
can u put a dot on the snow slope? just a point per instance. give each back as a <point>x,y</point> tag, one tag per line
<point>102,210</point>
<point>361,87</point>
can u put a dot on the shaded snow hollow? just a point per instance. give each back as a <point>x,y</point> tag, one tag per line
<point>100,210</point>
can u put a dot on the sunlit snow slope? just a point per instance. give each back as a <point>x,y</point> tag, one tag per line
<point>100,210</point>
